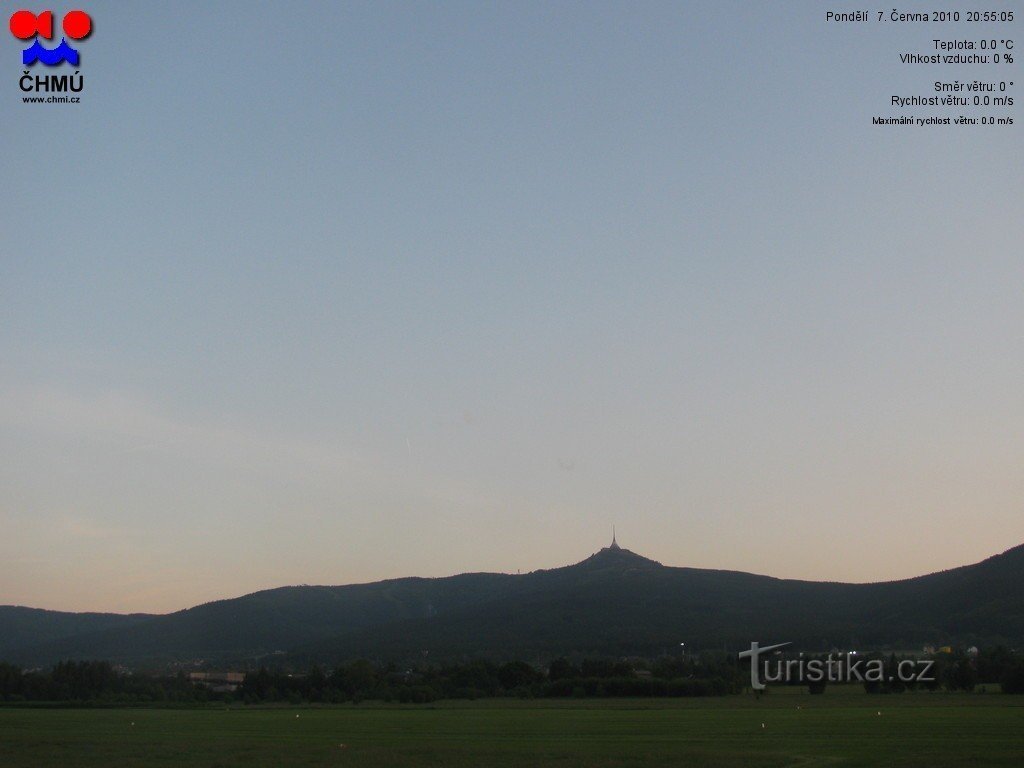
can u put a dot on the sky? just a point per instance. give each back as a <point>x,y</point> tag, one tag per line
<point>330,292</point>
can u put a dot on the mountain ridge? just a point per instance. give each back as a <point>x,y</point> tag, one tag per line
<point>613,602</point>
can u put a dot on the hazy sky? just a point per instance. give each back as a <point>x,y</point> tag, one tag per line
<point>323,293</point>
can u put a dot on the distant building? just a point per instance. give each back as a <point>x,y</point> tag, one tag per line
<point>218,682</point>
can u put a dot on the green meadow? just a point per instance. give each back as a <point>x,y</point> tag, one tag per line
<point>776,730</point>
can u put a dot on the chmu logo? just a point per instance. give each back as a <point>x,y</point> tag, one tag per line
<point>25,25</point>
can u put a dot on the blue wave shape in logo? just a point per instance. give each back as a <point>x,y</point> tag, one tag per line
<point>61,53</point>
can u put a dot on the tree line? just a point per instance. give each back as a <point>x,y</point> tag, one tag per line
<point>99,682</point>
<point>715,674</point>
<point>954,671</point>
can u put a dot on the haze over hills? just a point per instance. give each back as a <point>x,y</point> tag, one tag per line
<point>614,602</point>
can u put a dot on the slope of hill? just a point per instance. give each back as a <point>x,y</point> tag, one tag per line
<point>614,602</point>
<point>21,626</point>
<point>266,622</point>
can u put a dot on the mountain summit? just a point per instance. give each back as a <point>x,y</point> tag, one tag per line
<point>615,557</point>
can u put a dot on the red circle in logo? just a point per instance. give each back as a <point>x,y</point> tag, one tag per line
<point>77,24</point>
<point>25,24</point>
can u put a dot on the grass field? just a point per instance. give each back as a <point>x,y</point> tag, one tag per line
<point>912,730</point>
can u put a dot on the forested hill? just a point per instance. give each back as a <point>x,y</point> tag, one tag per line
<point>21,626</point>
<point>615,602</point>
